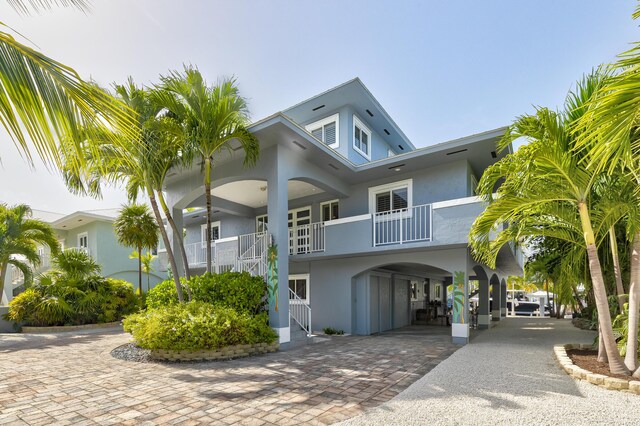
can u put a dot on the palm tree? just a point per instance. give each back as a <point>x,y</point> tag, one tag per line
<point>211,118</point>
<point>143,169</point>
<point>73,265</point>
<point>43,101</point>
<point>135,227</point>
<point>547,192</point>
<point>146,260</point>
<point>20,236</point>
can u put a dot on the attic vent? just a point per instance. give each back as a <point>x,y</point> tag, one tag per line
<point>387,132</point>
<point>397,166</point>
<point>333,167</point>
<point>299,145</point>
<point>456,152</point>
<point>401,148</point>
<point>370,113</point>
<point>493,154</point>
<point>318,107</point>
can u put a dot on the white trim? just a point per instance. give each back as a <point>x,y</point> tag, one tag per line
<point>374,190</point>
<point>365,129</point>
<point>80,235</point>
<point>348,219</point>
<point>321,123</point>
<point>458,202</point>
<point>226,240</point>
<point>203,230</point>
<point>305,277</point>
<point>460,330</point>
<point>284,334</point>
<point>329,202</point>
<point>390,153</point>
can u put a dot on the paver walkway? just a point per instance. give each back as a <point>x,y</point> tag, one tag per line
<point>72,379</point>
<point>508,375</point>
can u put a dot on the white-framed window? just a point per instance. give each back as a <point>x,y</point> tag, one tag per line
<point>299,284</point>
<point>473,185</point>
<point>329,210</point>
<point>390,152</point>
<point>326,130</point>
<point>391,196</point>
<point>83,240</point>
<point>361,138</point>
<point>215,232</point>
<point>262,223</point>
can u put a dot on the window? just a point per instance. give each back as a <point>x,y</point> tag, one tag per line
<point>361,138</point>
<point>83,240</point>
<point>390,197</point>
<point>262,223</point>
<point>414,290</point>
<point>326,130</point>
<point>329,210</point>
<point>299,284</point>
<point>215,232</point>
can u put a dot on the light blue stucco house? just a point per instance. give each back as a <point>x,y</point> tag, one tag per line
<point>369,229</point>
<point>90,231</point>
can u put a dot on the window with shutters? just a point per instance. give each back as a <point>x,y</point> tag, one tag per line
<point>361,138</point>
<point>391,197</point>
<point>326,130</point>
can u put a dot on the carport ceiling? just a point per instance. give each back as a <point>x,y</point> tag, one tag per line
<point>253,193</point>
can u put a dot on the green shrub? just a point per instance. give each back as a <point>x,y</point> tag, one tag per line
<point>197,325</point>
<point>239,291</point>
<point>63,301</point>
<point>330,330</point>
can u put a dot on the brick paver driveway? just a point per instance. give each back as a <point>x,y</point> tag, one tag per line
<point>72,379</point>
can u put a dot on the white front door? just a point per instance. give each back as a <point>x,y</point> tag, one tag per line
<point>298,232</point>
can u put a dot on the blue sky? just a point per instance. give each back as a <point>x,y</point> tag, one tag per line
<point>443,70</point>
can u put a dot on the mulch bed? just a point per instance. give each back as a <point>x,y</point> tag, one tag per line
<point>588,359</point>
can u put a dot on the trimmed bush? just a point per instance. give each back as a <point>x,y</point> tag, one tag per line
<point>197,325</point>
<point>239,291</point>
<point>91,300</point>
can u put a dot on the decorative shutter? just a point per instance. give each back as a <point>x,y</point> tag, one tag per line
<point>317,133</point>
<point>330,133</point>
<point>383,202</point>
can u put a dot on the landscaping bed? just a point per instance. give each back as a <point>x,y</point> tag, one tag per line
<point>585,357</point>
<point>63,328</point>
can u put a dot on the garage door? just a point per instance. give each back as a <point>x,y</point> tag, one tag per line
<point>380,304</point>
<point>401,303</point>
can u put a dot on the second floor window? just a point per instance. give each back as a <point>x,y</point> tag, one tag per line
<point>326,130</point>
<point>215,232</point>
<point>390,197</point>
<point>83,240</point>
<point>329,210</point>
<point>361,138</point>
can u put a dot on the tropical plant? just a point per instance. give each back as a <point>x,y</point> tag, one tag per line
<point>143,170</point>
<point>43,101</point>
<point>211,117</point>
<point>547,191</point>
<point>20,236</point>
<point>73,264</point>
<point>146,260</point>
<point>135,227</point>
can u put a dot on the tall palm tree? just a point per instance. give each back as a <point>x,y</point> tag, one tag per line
<point>211,118</point>
<point>20,236</point>
<point>136,227</point>
<point>547,191</point>
<point>43,101</point>
<point>143,169</point>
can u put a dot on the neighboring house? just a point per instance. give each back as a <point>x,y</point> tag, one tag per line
<point>369,229</point>
<point>90,231</point>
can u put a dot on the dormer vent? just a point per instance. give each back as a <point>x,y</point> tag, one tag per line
<point>456,152</point>
<point>370,113</point>
<point>387,132</point>
<point>401,148</point>
<point>333,167</point>
<point>318,107</point>
<point>299,145</point>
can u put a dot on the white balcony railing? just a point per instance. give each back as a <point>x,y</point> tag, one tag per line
<point>402,226</point>
<point>306,238</point>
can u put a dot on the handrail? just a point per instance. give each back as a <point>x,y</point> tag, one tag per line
<point>300,311</point>
<point>402,225</point>
<point>308,238</point>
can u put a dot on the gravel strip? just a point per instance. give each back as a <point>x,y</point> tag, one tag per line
<point>131,352</point>
<point>507,375</point>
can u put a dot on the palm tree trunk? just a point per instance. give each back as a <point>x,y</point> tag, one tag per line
<point>631,358</point>
<point>3,276</point>
<point>602,353</point>
<point>172,223</point>
<point>207,194</point>
<point>167,243</point>
<point>140,270</point>
<point>616,267</point>
<point>616,364</point>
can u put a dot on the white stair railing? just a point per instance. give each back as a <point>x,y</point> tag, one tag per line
<point>300,312</point>
<point>253,249</point>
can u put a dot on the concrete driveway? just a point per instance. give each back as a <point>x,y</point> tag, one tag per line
<point>71,378</point>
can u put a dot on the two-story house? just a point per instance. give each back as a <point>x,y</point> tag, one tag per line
<point>92,232</point>
<point>368,228</point>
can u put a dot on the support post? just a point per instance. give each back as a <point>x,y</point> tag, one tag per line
<point>503,298</point>
<point>460,318</point>
<point>484,316</point>
<point>496,303</point>
<point>277,208</point>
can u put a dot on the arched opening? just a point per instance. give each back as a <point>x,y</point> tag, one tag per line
<point>398,295</point>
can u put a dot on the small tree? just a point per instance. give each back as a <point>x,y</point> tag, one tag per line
<point>135,227</point>
<point>146,260</point>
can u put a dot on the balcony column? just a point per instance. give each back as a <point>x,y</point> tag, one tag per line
<point>277,209</point>
<point>503,298</point>
<point>175,239</point>
<point>484,317</point>
<point>496,303</point>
